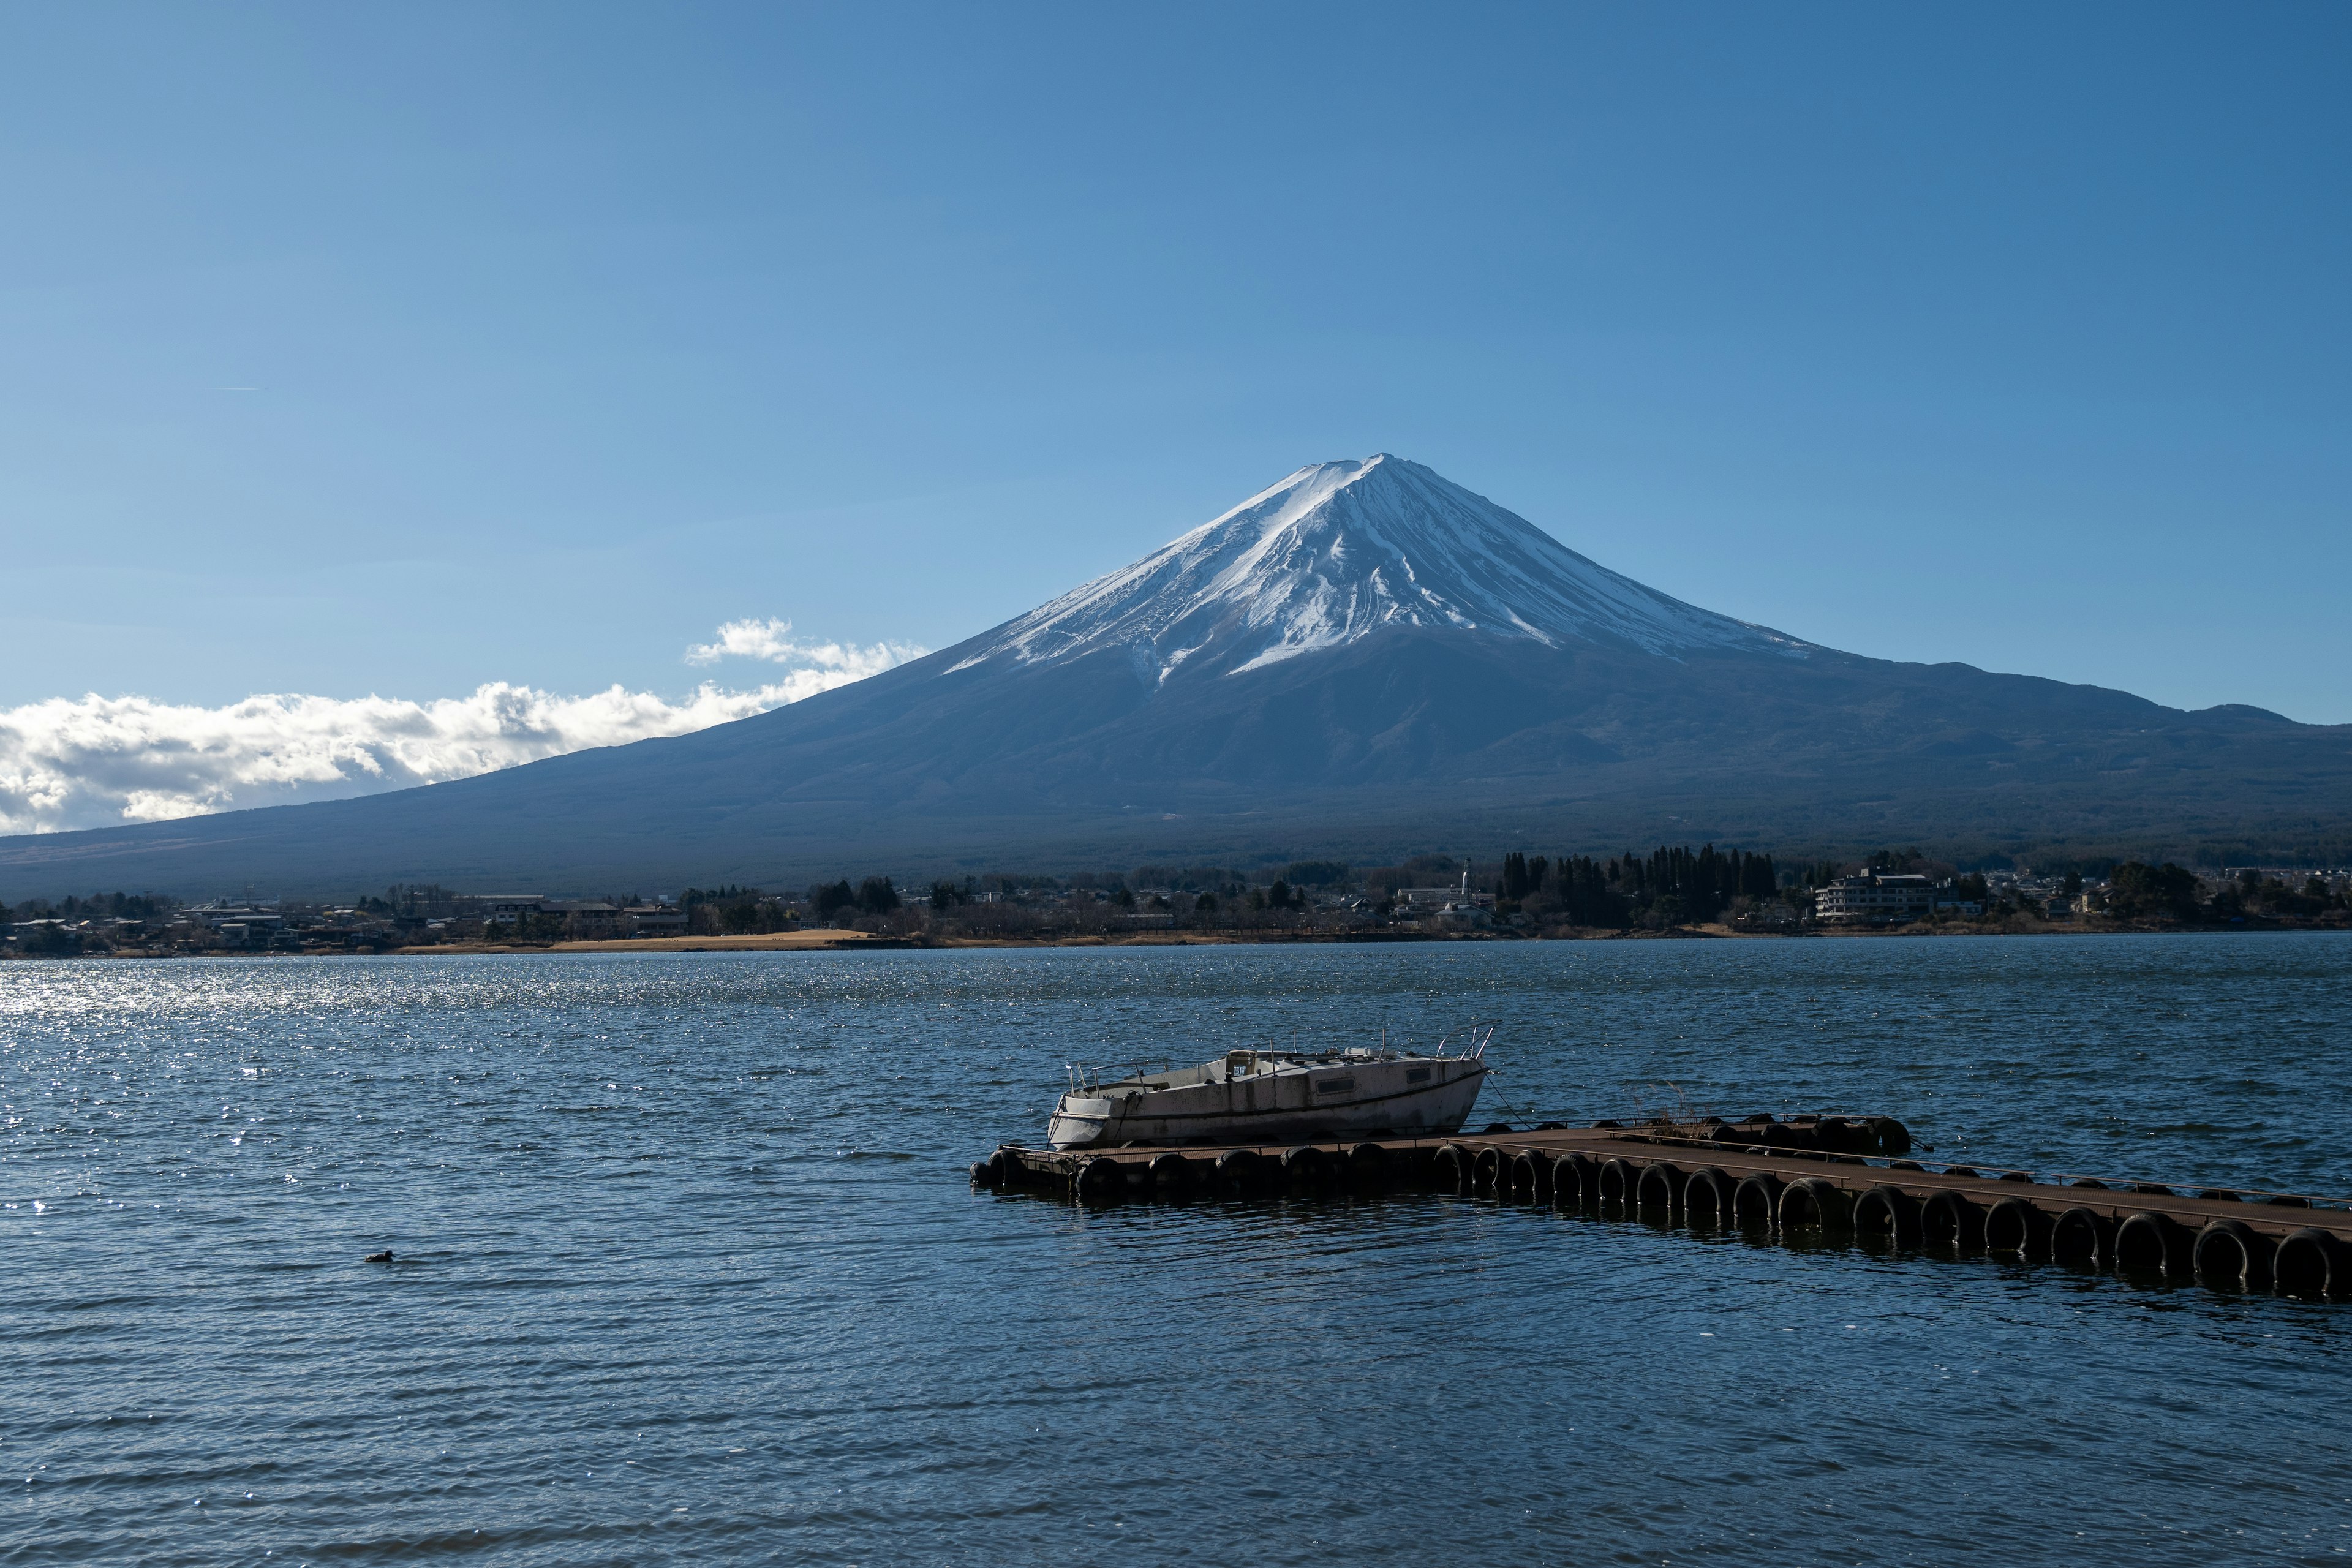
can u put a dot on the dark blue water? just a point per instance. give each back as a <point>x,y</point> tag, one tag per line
<point>689,1268</point>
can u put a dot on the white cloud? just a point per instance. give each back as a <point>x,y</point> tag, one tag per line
<point>97,762</point>
<point>772,641</point>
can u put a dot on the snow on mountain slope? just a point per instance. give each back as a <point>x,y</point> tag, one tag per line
<point>1339,551</point>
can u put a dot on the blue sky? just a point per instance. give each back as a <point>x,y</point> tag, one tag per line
<point>397,350</point>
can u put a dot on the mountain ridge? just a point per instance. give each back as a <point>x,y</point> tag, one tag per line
<point>1363,660</point>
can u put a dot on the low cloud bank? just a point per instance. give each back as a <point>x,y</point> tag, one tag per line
<point>101,761</point>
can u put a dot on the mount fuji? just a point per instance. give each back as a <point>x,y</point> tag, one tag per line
<point>1361,660</point>
<point>1341,551</point>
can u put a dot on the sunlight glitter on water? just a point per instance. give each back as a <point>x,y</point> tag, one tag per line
<point>696,1224</point>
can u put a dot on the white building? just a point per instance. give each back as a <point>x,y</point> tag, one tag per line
<point>1873,899</point>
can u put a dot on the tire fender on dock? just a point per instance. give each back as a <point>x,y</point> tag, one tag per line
<point>1889,1212</point>
<point>1100,1180</point>
<point>1949,1219</point>
<point>2230,1253</point>
<point>2083,1239</point>
<point>1240,1170</point>
<point>1619,1182</point>
<point>1814,1201</point>
<point>1449,1170</point>
<point>2311,1262</point>
<point>1368,1165</point>
<point>1172,1175</point>
<point>1708,1196</point>
<point>1894,1138</point>
<point>2015,1229</point>
<point>1486,1172</point>
<point>1575,1182</point>
<point>1530,1178</point>
<point>1304,1166</point>
<point>1843,1135</point>
<point>1757,1201</point>
<point>2153,1244</point>
<point>1659,1187</point>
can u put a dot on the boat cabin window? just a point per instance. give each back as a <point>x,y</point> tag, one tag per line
<point>1239,1062</point>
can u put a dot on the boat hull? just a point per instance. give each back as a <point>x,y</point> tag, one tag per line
<point>1416,1098</point>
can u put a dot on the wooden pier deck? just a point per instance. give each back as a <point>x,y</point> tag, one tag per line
<point>1732,1177</point>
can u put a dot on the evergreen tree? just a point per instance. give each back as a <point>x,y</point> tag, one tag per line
<point>2136,889</point>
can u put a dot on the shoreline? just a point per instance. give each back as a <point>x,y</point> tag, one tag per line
<point>822,941</point>
<point>829,941</point>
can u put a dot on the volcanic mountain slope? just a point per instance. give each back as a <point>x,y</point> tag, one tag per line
<point>1363,660</point>
<point>1340,551</point>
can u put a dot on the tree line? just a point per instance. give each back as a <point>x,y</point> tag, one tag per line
<point>1670,886</point>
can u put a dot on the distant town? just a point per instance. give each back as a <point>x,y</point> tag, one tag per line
<point>1669,891</point>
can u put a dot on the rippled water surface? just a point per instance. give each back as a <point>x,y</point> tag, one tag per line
<point>689,1268</point>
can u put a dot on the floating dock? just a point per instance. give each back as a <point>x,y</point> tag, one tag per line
<point>1833,1176</point>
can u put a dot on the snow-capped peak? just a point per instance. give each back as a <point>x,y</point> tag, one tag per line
<point>1337,552</point>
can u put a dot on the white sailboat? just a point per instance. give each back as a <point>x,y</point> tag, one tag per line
<point>1265,1096</point>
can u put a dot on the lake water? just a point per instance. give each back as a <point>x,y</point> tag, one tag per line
<point>689,1268</point>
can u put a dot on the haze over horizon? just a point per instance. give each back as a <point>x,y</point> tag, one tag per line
<point>539,353</point>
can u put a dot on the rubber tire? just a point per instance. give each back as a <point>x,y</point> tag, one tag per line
<point>1842,1135</point>
<point>1241,1171</point>
<point>1659,1187</point>
<point>1367,1165</point>
<point>2013,1216</point>
<point>1894,1138</point>
<point>2310,1262</point>
<point>2218,1241</point>
<point>1172,1175</point>
<point>1487,1172</point>
<point>1815,1201</point>
<point>2152,1244</point>
<point>2082,1238</point>
<point>1619,1182</point>
<point>1101,1181</point>
<point>1889,1211</point>
<point>1304,1166</point>
<point>1530,1178</point>
<point>1949,1219</point>
<point>1449,1170</point>
<point>1757,1202</point>
<point>1575,1182</point>
<point>1707,1197</point>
